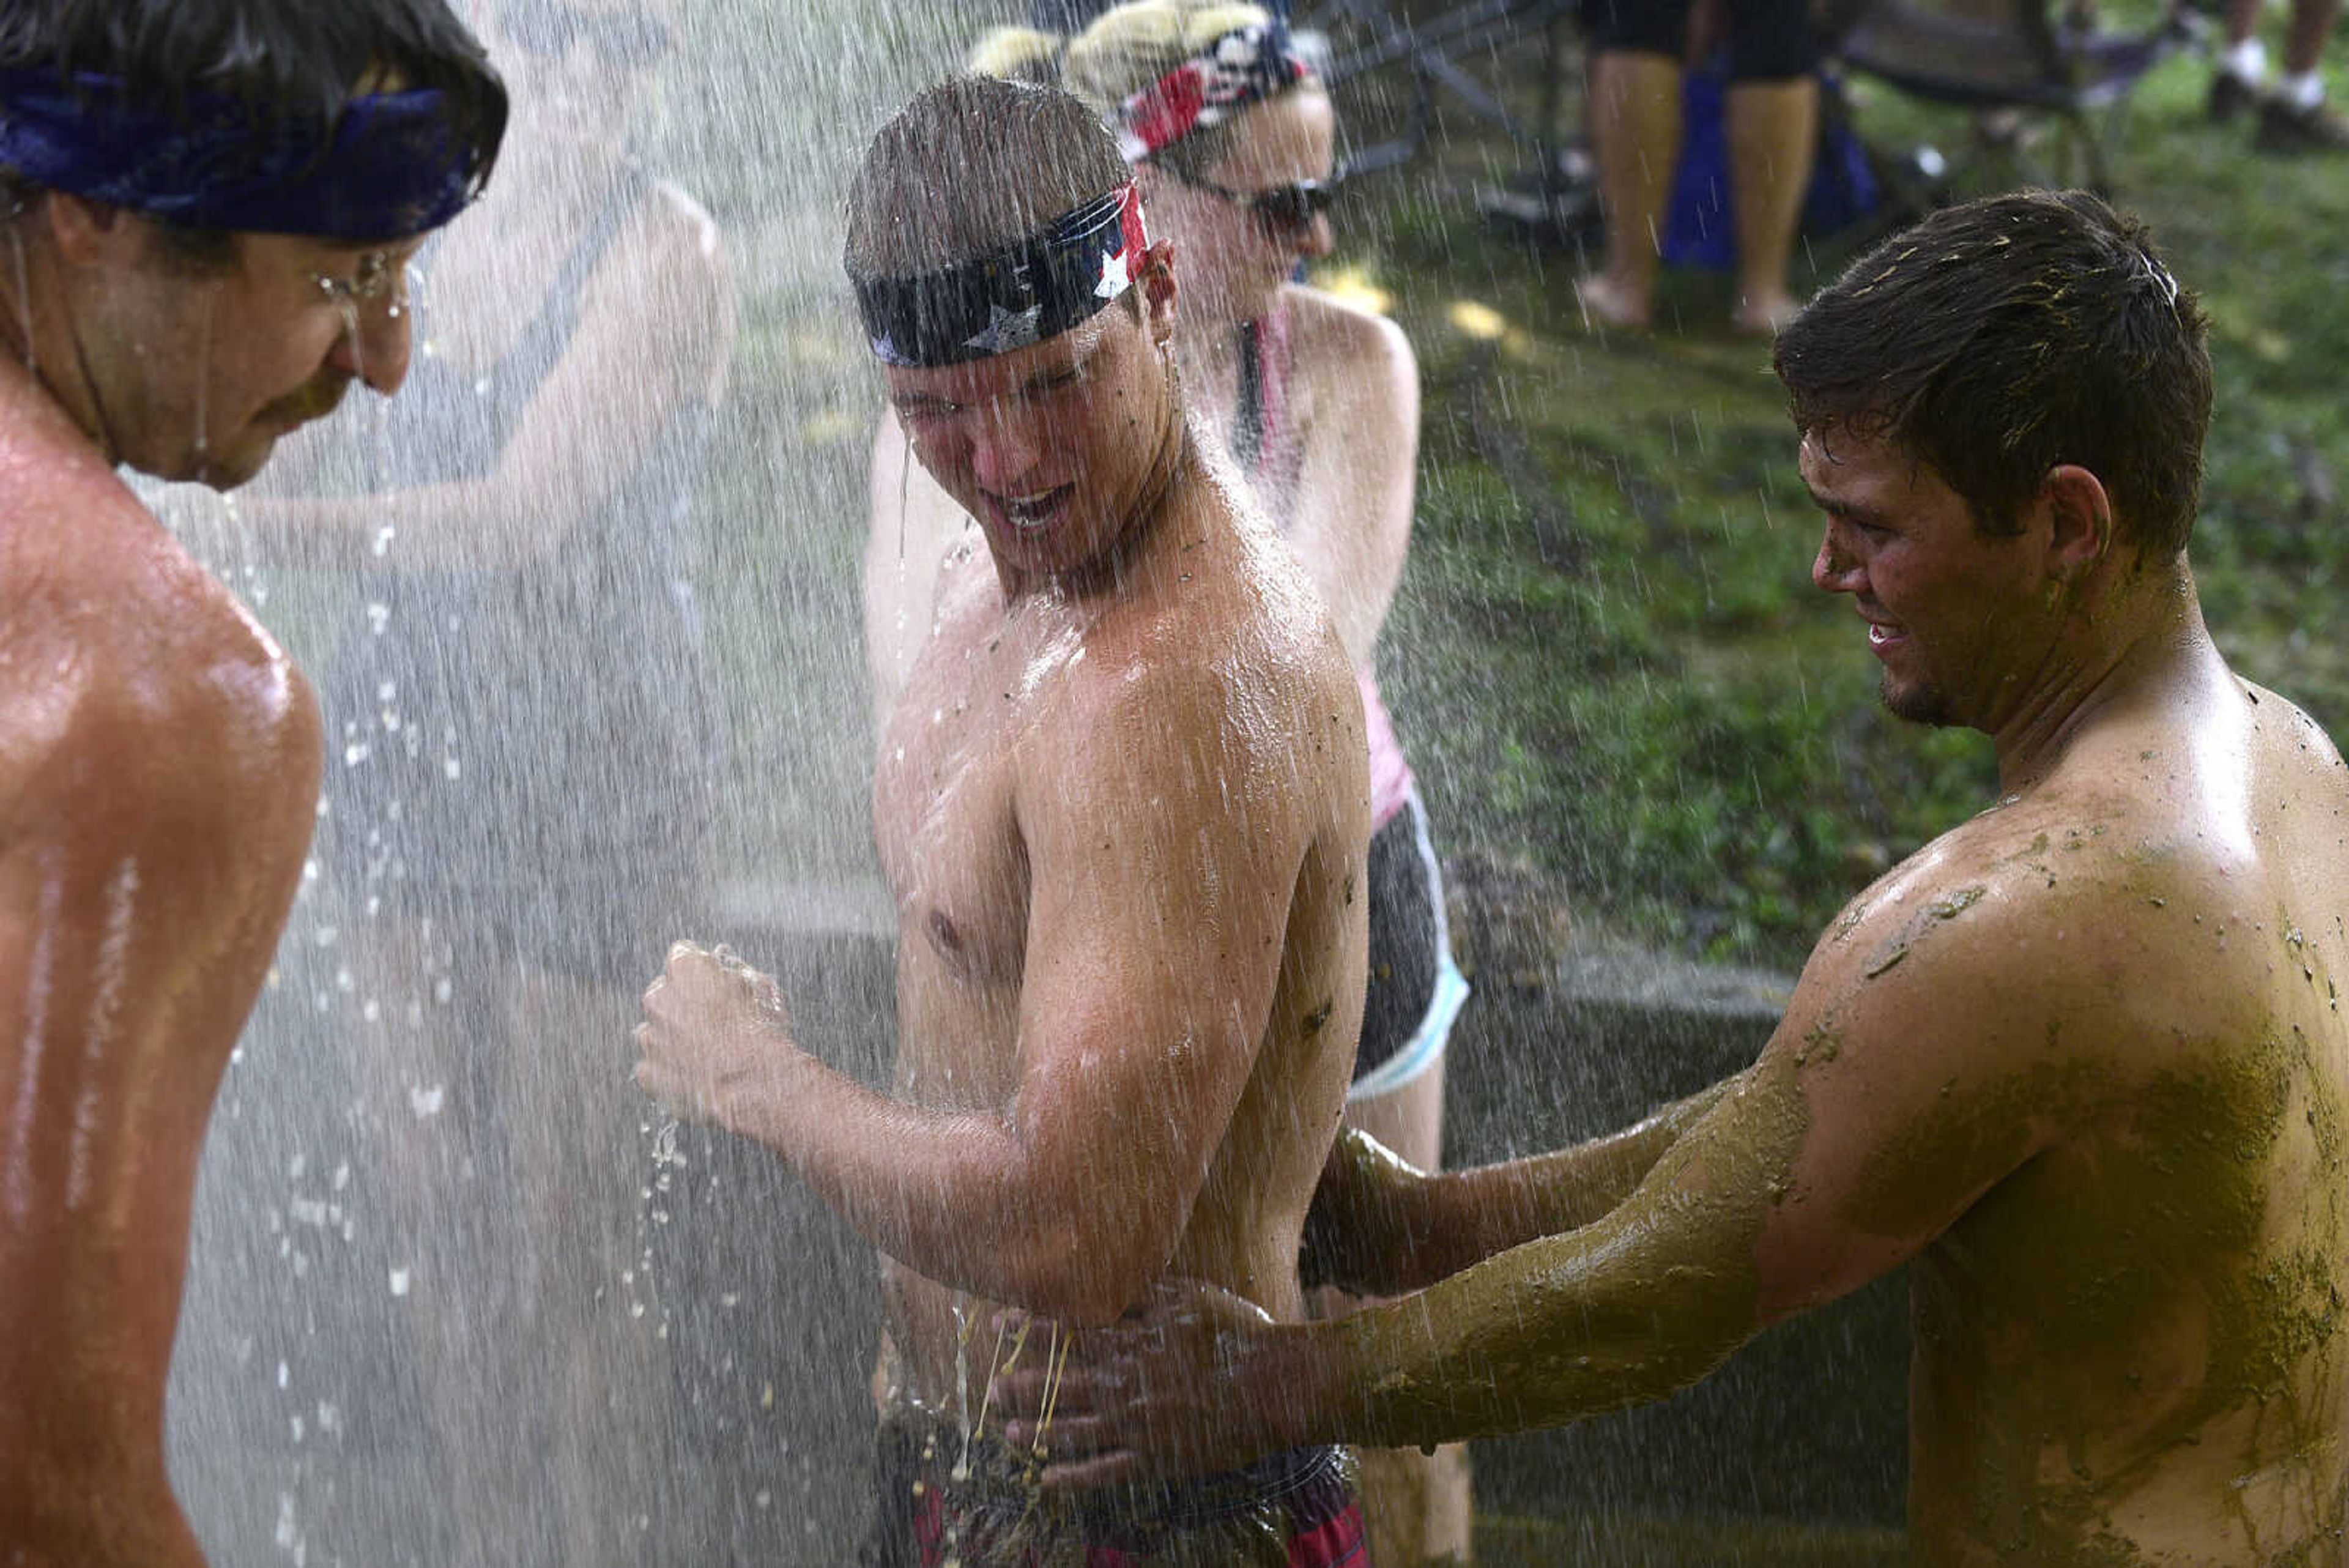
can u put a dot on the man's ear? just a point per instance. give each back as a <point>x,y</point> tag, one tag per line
<point>1158,290</point>
<point>2079,520</point>
<point>87,232</point>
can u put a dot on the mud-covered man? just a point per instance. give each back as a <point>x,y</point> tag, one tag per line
<point>2081,1060</point>
<point>1122,807</point>
<point>207,207</point>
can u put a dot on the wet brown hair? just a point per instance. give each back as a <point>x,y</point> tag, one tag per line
<point>970,166</point>
<point>2000,339</point>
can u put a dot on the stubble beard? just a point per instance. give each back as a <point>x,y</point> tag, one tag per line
<point>1918,702</point>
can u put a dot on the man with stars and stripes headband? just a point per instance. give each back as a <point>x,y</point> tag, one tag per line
<point>1124,810</point>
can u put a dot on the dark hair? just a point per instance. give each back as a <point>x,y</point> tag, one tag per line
<point>970,166</point>
<point>291,60</point>
<point>2000,339</point>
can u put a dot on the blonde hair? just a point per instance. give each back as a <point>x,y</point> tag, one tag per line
<point>1020,54</point>
<point>1124,50</point>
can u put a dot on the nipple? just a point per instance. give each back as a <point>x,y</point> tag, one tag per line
<point>944,933</point>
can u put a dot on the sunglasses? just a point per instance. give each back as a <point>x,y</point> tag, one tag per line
<point>622,40</point>
<point>1282,209</point>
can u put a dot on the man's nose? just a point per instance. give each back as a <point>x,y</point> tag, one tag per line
<point>1004,451</point>
<point>1834,569</point>
<point>375,348</point>
<point>1316,239</point>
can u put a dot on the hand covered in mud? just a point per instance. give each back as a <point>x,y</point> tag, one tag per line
<point>716,1031</point>
<point>1189,1382</point>
<point>1372,1217</point>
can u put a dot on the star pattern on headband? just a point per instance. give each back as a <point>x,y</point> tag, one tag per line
<point>1116,274</point>
<point>1006,331</point>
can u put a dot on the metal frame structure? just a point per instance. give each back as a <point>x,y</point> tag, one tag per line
<point>2015,64</point>
<point>1428,48</point>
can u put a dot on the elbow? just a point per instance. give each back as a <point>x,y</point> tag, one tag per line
<point>1681,1345</point>
<point>1079,1275</point>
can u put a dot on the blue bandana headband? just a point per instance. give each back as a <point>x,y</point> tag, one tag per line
<point>390,167</point>
<point>1035,288</point>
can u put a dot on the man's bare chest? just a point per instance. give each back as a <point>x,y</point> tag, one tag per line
<point>945,804</point>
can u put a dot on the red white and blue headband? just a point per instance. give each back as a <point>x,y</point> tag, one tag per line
<point>1030,290</point>
<point>1244,67</point>
<point>388,167</point>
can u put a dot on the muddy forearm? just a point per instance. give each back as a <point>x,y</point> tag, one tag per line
<point>1542,1335</point>
<point>1382,1228</point>
<point>1489,1210</point>
<point>1621,1310</point>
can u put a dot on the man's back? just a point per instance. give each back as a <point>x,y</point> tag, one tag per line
<point>2130,1347</point>
<point>158,762</point>
<point>1055,784</point>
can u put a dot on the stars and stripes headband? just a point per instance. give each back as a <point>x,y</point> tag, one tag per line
<point>1032,290</point>
<point>1244,67</point>
<point>389,166</point>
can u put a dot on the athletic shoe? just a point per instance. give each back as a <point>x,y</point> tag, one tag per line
<point>2283,129</point>
<point>2231,95</point>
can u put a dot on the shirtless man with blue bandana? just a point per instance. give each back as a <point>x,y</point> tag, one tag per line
<point>186,276</point>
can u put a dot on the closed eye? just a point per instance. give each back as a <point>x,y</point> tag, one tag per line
<point>1867,523</point>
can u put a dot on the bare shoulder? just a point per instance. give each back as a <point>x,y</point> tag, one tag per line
<point>1238,678</point>
<point>136,688</point>
<point>2042,932</point>
<point>1351,351</point>
<point>2304,735</point>
<point>1327,326</point>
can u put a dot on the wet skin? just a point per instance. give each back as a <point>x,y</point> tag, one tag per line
<point>2081,1060</point>
<point>1351,399</point>
<point>1123,812</point>
<point>197,374</point>
<point>158,775</point>
<point>159,765</point>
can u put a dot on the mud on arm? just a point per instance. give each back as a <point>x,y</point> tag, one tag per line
<point>1380,1226</point>
<point>1896,1091</point>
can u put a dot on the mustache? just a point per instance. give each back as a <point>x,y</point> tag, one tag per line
<point>314,401</point>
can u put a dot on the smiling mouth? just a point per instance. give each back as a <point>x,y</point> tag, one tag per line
<point>1029,512</point>
<point>1881,636</point>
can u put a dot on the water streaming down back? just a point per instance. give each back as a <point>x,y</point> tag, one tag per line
<point>404,1166</point>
